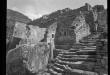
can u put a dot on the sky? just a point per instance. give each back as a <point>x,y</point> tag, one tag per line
<point>37,8</point>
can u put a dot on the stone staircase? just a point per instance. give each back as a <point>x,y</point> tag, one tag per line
<point>79,60</point>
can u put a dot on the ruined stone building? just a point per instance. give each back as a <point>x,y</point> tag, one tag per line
<point>29,34</point>
<point>16,36</point>
<point>31,47</point>
<point>51,32</point>
<point>51,37</point>
<point>64,35</point>
<point>81,27</point>
<point>36,34</point>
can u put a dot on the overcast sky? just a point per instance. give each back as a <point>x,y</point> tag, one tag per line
<point>36,8</point>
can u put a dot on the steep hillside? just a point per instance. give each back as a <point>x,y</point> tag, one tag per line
<point>16,16</point>
<point>59,15</point>
<point>95,17</point>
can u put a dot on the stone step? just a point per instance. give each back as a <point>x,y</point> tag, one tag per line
<point>82,71</point>
<point>72,53</point>
<point>60,65</point>
<point>81,52</point>
<point>61,50</point>
<point>77,46</point>
<point>88,41</point>
<point>66,52</point>
<point>88,44</point>
<point>83,45</point>
<point>69,62</point>
<point>73,50</point>
<point>89,66</point>
<point>76,59</point>
<point>80,56</point>
<point>90,47</point>
<point>53,72</point>
<point>86,50</point>
<point>56,70</point>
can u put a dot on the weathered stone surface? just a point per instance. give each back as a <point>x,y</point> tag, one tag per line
<point>11,18</point>
<point>20,30</point>
<point>36,34</point>
<point>12,43</point>
<point>35,57</point>
<point>30,35</point>
<point>81,27</point>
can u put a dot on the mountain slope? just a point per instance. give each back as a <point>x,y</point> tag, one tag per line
<point>65,17</point>
<point>15,15</point>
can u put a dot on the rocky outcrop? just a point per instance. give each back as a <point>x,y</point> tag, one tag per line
<point>82,29</point>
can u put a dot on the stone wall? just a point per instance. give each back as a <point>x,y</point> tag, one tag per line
<point>36,34</point>
<point>101,57</point>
